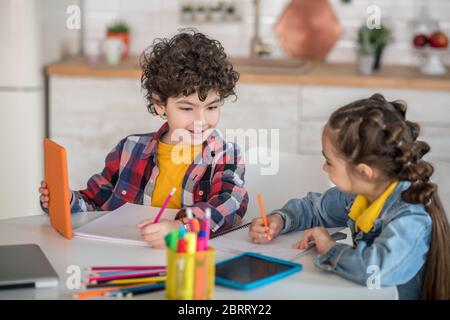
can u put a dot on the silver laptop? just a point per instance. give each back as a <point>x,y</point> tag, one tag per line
<point>25,265</point>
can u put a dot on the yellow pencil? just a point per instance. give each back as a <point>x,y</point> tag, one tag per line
<point>137,280</point>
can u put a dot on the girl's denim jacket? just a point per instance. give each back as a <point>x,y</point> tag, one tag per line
<point>393,253</point>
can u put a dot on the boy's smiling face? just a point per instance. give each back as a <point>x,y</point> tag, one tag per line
<point>190,116</point>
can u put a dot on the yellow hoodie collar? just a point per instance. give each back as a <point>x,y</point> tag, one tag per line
<point>365,215</point>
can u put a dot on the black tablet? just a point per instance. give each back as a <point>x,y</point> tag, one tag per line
<point>250,270</point>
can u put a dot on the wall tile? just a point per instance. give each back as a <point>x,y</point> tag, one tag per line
<point>156,18</point>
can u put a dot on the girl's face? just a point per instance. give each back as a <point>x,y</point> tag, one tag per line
<point>336,167</point>
<point>191,116</point>
<point>359,179</point>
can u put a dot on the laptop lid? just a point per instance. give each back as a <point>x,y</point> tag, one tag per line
<point>25,265</point>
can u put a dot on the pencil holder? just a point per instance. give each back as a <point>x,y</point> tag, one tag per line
<point>190,276</point>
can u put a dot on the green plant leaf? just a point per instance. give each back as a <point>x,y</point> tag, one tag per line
<point>118,27</point>
<point>370,40</point>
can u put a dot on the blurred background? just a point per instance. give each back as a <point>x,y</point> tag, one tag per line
<point>69,71</point>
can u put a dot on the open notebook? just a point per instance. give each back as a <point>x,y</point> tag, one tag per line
<point>120,225</point>
<point>239,241</point>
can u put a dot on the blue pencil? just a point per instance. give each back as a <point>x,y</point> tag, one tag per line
<point>136,290</point>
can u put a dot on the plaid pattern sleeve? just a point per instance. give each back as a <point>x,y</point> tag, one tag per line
<point>100,186</point>
<point>227,197</point>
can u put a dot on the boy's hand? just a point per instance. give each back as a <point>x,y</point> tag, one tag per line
<point>44,194</point>
<point>321,238</point>
<point>262,234</point>
<point>154,233</point>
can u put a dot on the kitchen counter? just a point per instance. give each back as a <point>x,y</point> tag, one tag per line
<point>318,73</point>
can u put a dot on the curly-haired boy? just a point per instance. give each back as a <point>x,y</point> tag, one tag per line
<point>186,79</point>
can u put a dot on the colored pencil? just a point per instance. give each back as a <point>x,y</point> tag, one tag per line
<point>126,276</point>
<point>143,291</point>
<point>136,290</point>
<point>207,225</point>
<point>164,206</point>
<point>100,292</point>
<point>94,293</point>
<point>101,285</point>
<point>137,273</point>
<point>189,216</point>
<point>138,280</point>
<point>263,214</point>
<point>118,283</point>
<point>124,268</point>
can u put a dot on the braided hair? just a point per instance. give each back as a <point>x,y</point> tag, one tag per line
<point>375,132</point>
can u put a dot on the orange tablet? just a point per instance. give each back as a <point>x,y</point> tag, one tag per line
<point>56,176</point>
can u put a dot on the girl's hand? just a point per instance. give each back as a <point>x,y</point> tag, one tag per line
<point>154,233</point>
<point>262,234</point>
<point>44,194</point>
<point>321,238</point>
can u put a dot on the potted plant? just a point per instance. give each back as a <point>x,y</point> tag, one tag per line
<point>371,43</point>
<point>120,30</point>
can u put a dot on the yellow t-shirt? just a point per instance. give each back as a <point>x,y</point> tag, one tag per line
<point>173,164</point>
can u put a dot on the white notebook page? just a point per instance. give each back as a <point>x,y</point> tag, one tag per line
<point>120,225</point>
<point>239,241</point>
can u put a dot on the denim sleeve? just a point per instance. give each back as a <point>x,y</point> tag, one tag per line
<point>397,254</point>
<point>328,209</point>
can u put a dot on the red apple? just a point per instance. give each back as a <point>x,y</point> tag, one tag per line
<point>420,40</point>
<point>438,39</point>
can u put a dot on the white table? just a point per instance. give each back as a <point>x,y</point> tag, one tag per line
<point>310,283</point>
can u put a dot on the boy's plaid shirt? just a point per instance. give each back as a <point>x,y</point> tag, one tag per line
<point>214,180</point>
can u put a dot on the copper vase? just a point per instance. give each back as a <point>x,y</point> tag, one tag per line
<point>308,29</point>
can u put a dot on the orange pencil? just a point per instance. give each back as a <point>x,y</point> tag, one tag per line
<point>101,292</point>
<point>94,293</point>
<point>263,213</point>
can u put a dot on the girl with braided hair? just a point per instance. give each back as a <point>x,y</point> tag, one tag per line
<point>383,194</point>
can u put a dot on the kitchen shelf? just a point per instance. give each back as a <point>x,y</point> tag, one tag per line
<point>320,73</point>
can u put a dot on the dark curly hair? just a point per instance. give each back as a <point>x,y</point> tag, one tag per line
<point>187,63</point>
<point>375,131</point>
